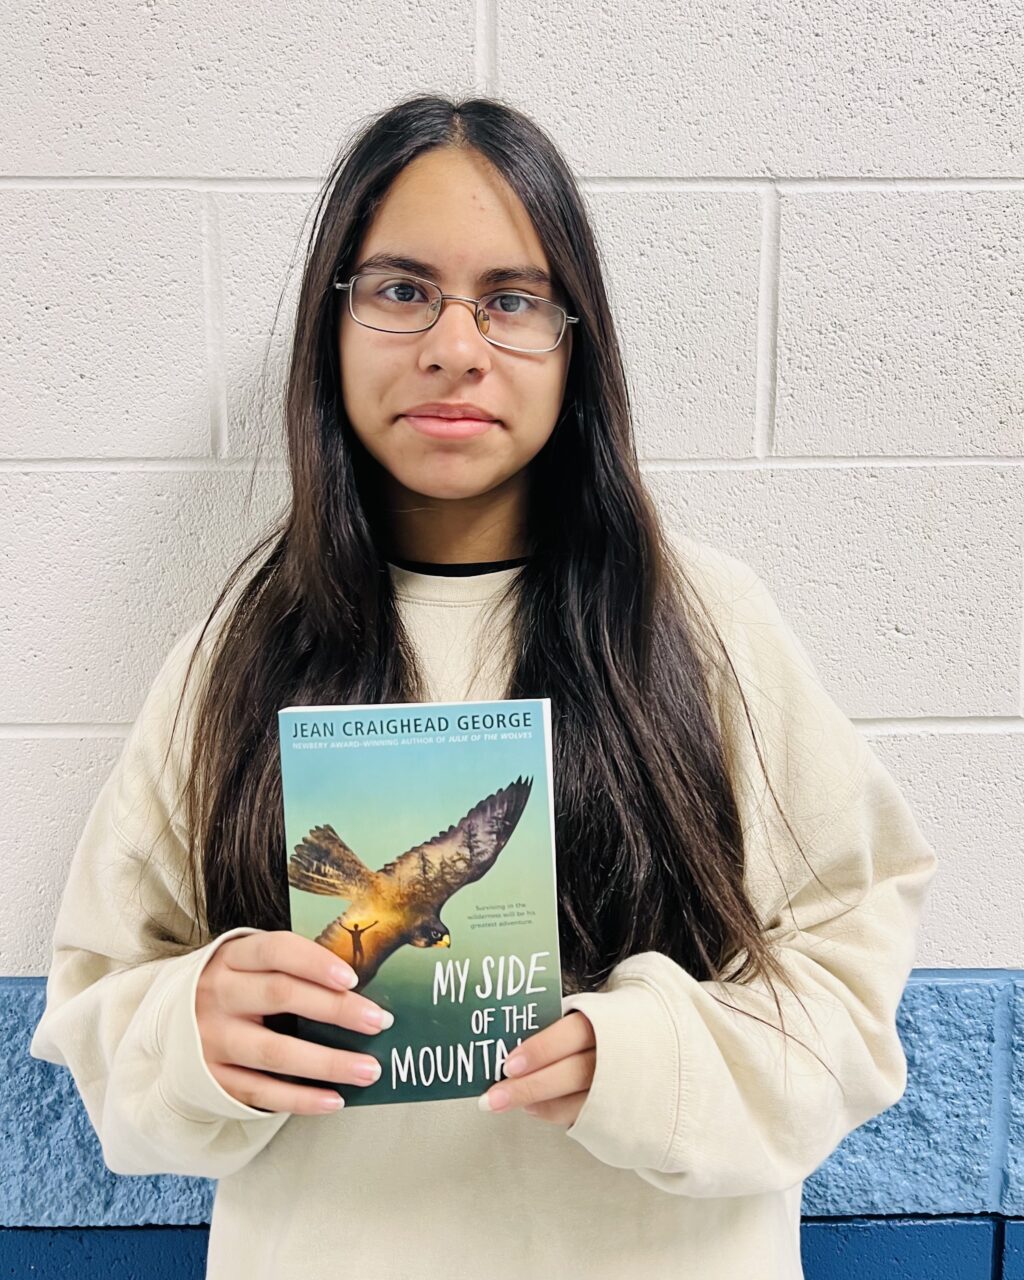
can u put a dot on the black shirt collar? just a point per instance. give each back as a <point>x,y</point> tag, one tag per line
<point>458,570</point>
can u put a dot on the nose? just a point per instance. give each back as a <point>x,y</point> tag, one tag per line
<point>454,340</point>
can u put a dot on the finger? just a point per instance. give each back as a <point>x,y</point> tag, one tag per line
<point>266,1094</point>
<point>563,1111</point>
<point>256,994</point>
<point>255,1046</point>
<point>290,952</point>
<point>571,1034</point>
<point>568,1075</point>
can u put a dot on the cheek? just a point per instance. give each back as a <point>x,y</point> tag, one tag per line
<point>554,397</point>
<point>365,378</point>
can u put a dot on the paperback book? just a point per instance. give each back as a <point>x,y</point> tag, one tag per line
<point>420,845</point>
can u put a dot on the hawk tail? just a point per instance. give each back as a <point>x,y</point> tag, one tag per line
<point>308,870</point>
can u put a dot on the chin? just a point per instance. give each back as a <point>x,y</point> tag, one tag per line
<point>474,481</point>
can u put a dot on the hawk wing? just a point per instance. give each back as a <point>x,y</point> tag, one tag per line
<point>323,863</point>
<point>430,873</point>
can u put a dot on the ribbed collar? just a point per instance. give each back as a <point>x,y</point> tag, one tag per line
<point>440,588</point>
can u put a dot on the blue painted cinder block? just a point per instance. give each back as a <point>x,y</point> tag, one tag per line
<point>954,1144</point>
<point>1013,1252</point>
<point>914,1249</point>
<point>941,1148</point>
<point>1012,1191</point>
<point>862,1249</point>
<point>157,1253</point>
<point>911,1249</point>
<point>51,1167</point>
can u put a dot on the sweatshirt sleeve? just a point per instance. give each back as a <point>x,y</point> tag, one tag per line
<point>701,1100</point>
<point>120,994</point>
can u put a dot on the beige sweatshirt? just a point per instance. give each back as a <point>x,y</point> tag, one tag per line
<point>688,1156</point>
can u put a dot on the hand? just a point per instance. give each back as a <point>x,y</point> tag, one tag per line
<point>551,1072</point>
<point>277,971</point>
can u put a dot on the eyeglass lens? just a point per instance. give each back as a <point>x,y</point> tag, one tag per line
<point>400,304</point>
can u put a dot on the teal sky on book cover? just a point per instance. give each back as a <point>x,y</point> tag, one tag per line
<point>467,786</point>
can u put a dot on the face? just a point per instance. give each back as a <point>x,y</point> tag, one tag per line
<point>449,208</point>
<point>433,933</point>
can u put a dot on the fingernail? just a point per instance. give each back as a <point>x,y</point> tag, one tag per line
<point>382,1018</point>
<point>343,976</point>
<point>514,1066</point>
<point>495,1100</point>
<point>334,1103</point>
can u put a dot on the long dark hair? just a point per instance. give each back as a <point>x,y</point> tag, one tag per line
<point>605,621</point>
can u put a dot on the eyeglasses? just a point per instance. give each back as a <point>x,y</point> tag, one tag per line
<point>409,304</point>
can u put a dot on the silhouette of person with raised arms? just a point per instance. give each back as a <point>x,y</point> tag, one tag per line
<point>357,931</point>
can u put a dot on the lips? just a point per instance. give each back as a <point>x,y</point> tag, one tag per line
<point>440,409</point>
<point>449,428</point>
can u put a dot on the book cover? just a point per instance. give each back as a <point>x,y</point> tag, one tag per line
<point>420,844</point>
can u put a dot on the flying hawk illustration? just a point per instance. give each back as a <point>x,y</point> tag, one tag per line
<point>399,905</point>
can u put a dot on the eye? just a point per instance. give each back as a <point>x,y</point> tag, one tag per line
<point>511,298</point>
<point>400,284</point>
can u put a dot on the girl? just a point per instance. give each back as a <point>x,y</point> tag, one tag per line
<point>740,880</point>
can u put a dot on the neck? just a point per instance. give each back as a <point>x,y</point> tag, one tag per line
<point>486,527</point>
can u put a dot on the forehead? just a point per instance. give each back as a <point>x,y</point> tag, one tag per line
<point>451,215</point>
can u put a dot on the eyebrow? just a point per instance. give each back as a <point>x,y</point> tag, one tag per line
<point>493,276</point>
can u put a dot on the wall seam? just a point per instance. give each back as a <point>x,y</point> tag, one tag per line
<point>767,326</point>
<point>1002,1079</point>
<point>213,311</point>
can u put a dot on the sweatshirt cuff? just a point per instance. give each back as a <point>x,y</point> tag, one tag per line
<point>186,1082</point>
<point>631,1113</point>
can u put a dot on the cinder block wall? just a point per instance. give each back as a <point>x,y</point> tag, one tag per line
<point>812,222</point>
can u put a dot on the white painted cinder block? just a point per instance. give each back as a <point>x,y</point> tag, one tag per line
<point>50,784</point>
<point>103,317</point>
<point>683,282</point>
<point>240,91</point>
<point>262,238</point>
<point>904,582</point>
<point>789,89</point>
<point>967,792</point>
<point>901,323</point>
<point>107,569</point>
